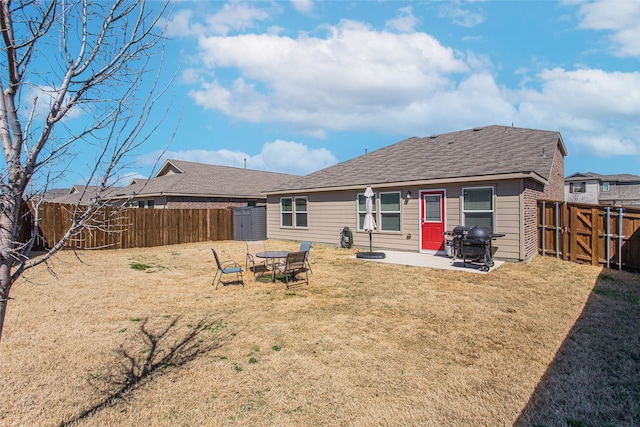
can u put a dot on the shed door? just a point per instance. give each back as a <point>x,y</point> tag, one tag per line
<point>432,220</point>
<point>242,224</point>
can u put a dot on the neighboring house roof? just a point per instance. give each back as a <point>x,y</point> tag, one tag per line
<point>178,177</point>
<point>55,192</point>
<point>77,192</point>
<point>479,152</point>
<point>181,178</point>
<point>622,194</point>
<point>622,177</point>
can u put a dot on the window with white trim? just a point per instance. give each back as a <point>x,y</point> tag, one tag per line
<point>605,186</point>
<point>390,211</point>
<point>300,208</point>
<point>577,187</point>
<point>293,212</point>
<point>362,209</point>
<point>477,207</point>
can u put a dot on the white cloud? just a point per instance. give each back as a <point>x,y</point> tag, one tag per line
<point>181,25</point>
<point>293,157</point>
<point>620,18</point>
<point>404,22</point>
<point>354,77</point>
<point>607,143</point>
<point>234,16</point>
<point>349,80</point>
<point>276,156</point>
<point>596,107</point>
<point>461,16</point>
<point>41,100</point>
<point>303,6</point>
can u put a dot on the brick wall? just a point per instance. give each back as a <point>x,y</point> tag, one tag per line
<point>555,188</point>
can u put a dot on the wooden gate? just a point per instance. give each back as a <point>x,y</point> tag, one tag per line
<point>593,234</point>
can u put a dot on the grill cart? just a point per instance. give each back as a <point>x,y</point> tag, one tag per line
<point>472,244</point>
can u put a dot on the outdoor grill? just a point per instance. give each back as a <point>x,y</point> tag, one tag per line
<point>473,244</point>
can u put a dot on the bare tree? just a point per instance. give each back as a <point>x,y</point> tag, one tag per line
<point>62,59</point>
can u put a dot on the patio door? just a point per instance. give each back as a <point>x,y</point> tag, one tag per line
<point>432,220</point>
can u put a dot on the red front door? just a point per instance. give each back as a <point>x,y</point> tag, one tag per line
<point>432,220</point>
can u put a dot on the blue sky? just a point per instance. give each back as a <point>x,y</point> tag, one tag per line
<point>295,86</point>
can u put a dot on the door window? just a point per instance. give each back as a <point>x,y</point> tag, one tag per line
<point>432,210</point>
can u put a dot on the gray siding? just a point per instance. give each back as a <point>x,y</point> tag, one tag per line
<point>330,212</point>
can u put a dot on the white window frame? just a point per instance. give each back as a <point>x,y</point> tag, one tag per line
<point>362,212</point>
<point>381,213</point>
<point>294,212</point>
<point>492,211</point>
<point>605,186</point>
<point>282,213</point>
<point>423,200</point>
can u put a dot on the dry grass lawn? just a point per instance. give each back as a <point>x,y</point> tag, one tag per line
<point>104,344</point>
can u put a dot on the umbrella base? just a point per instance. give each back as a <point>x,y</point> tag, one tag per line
<point>371,255</point>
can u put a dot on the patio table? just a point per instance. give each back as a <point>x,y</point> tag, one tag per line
<point>273,256</point>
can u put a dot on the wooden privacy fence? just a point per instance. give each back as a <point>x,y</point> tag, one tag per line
<point>594,234</point>
<point>134,228</point>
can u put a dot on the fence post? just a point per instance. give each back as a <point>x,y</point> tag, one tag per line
<point>608,234</point>
<point>557,224</point>
<point>543,227</point>
<point>595,240</point>
<point>620,237</point>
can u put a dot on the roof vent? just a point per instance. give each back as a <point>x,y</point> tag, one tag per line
<point>478,128</point>
<point>434,136</point>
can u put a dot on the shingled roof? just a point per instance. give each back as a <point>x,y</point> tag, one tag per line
<point>486,151</point>
<point>179,177</point>
<point>620,177</point>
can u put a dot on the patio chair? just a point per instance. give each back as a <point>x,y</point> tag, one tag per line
<point>252,262</point>
<point>306,247</point>
<point>228,267</point>
<point>293,266</point>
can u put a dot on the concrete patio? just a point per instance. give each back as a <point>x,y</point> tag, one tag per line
<point>438,261</point>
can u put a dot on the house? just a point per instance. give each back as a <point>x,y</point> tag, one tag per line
<point>182,184</point>
<point>83,193</point>
<point>490,176</point>
<point>593,188</point>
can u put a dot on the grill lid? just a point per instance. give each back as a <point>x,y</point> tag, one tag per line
<point>461,230</point>
<point>478,233</point>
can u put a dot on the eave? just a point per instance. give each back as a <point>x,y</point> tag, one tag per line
<point>427,182</point>
<point>171,194</point>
